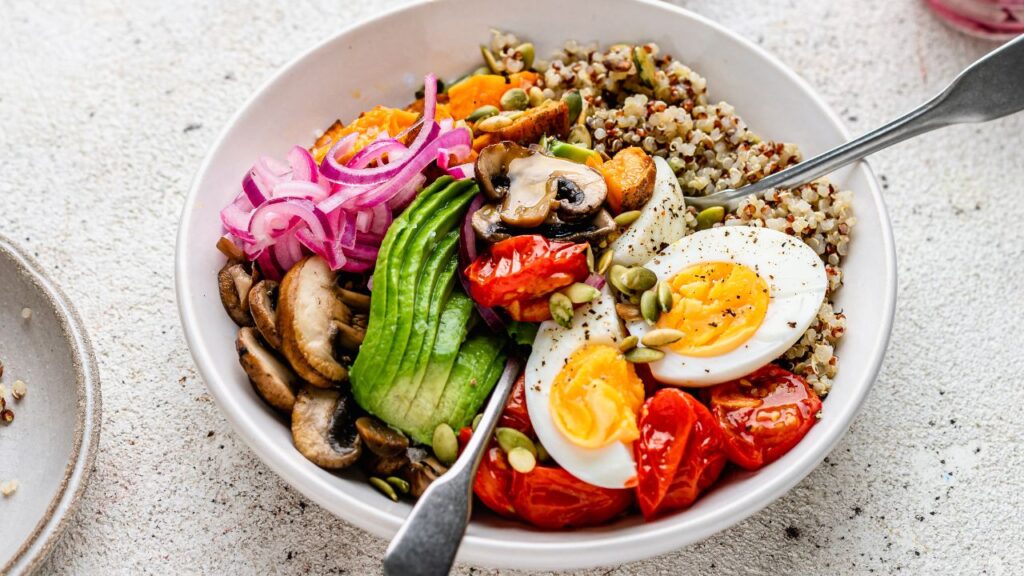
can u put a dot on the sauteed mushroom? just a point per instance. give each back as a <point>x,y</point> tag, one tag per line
<point>421,473</point>
<point>234,282</point>
<point>488,225</point>
<point>322,428</point>
<point>263,307</point>
<point>274,381</point>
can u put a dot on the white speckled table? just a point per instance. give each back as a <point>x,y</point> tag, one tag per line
<point>106,109</point>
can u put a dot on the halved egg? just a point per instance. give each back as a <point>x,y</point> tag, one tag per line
<point>741,296</point>
<point>662,220</point>
<point>583,397</point>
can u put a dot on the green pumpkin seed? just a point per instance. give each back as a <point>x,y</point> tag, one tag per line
<point>494,123</point>
<point>575,103</point>
<point>628,312</point>
<point>485,111</point>
<point>627,218</point>
<point>476,421</point>
<point>628,343</point>
<point>536,96</point>
<point>515,99</point>
<point>708,217</point>
<point>644,355</point>
<point>649,307</point>
<point>561,309</point>
<point>522,461</point>
<point>510,438</point>
<point>605,262</point>
<point>384,488</point>
<point>400,485</point>
<point>616,277</point>
<point>580,293</point>
<point>665,300</point>
<point>489,60</point>
<point>480,70</point>
<point>445,444</point>
<point>644,65</point>
<point>580,136</point>
<point>639,278</point>
<point>661,337</point>
<point>526,53</point>
<point>590,258</point>
<point>572,152</point>
<point>542,453</point>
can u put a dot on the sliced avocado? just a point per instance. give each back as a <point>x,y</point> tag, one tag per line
<point>469,384</point>
<point>451,331</point>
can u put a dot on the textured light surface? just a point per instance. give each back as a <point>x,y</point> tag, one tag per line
<point>106,111</point>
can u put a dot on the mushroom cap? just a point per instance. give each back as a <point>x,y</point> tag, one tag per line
<point>310,319</point>
<point>263,308</point>
<point>273,380</point>
<point>234,283</point>
<point>380,438</point>
<point>421,473</point>
<point>491,167</point>
<point>322,428</point>
<point>488,225</point>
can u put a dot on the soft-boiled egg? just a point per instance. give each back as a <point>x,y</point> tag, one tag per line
<point>741,296</point>
<point>661,220</point>
<point>583,397</point>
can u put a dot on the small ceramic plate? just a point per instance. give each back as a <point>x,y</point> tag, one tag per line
<point>50,447</point>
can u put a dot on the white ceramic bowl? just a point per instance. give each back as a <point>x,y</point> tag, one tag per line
<point>382,61</point>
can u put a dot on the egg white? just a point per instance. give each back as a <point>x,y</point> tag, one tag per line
<point>796,280</point>
<point>610,466</point>
<point>661,220</point>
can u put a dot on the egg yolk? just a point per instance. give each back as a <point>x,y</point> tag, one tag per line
<point>596,396</point>
<point>717,306</point>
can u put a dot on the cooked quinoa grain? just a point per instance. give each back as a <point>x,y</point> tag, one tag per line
<point>710,148</point>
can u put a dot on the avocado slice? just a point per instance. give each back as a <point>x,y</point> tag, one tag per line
<point>468,384</point>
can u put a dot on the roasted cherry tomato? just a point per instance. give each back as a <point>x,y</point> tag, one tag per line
<point>551,498</point>
<point>493,482</point>
<point>516,415</point>
<point>763,414</point>
<point>532,310</point>
<point>701,464</point>
<point>665,423</point>
<point>525,268</point>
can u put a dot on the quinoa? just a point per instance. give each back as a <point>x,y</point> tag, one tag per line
<point>710,148</point>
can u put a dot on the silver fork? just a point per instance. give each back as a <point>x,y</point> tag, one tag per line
<point>990,88</point>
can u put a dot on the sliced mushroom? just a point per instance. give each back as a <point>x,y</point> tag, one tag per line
<point>234,282</point>
<point>322,428</point>
<point>491,167</point>
<point>273,380</point>
<point>488,225</point>
<point>421,473</point>
<point>263,308</point>
<point>580,193</point>
<point>380,438</point>
<point>312,320</point>
<point>355,300</point>
<point>377,465</point>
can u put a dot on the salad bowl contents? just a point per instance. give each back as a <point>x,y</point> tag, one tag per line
<point>383,274</point>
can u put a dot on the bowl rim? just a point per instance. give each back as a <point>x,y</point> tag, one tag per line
<point>65,502</point>
<point>486,551</point>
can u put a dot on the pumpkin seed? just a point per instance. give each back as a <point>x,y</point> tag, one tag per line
<point>628,343</point>
<point>665,301</point>
<point>489,60</point>
<point>476,421</point>
<point>522,461</point>
<point>536,96</point>
<point>605,262</point>
<point>400,485</point>
<point>446,446</point>
<point>384,488</point>
<point>627,218</point>
<point>494,123</point>
<point>561,309</point>
<point>572,152</point>
<point>590,258</point>
<point>580,293</point>
<point>510,438</point>
<point>661,337</point>
<point>526,53</point>
<point>575,103</point>
<point>649,307</point>
<point>616,277</point>
<point>708,217</point>
<point>542,452</point>
<point>580,136</point>
<point>644,65</point>
<point>639,278</point>
<point>515,99</point>
<point>628,312</point>
<point>485,111</point>
<point>481,70</point>
<point>644,355</point>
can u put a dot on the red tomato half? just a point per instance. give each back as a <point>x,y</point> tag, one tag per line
<point>552,498</point>
<point>516,414</point>
<point>524,268</point>
<point>701,464</point>
<point>493,482</point>
<point>665,422</point>
<point>763,414</point>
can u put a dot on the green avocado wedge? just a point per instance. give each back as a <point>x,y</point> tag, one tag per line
<point>421,362</point>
